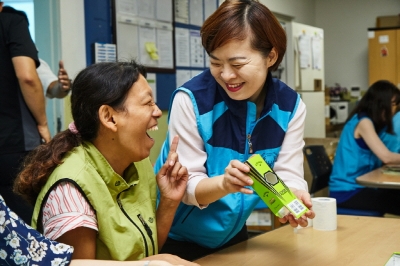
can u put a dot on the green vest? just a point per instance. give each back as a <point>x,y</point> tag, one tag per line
<point>125,208</point>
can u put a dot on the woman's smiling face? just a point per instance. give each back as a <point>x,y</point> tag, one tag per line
<point>239,69</point>
<point>140,115</point>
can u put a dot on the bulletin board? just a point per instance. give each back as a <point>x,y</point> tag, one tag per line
<point>191,58</point>
<point>163,35</point>
<point>143,30</point>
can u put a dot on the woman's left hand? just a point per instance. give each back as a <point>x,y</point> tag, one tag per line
<point>304,197</point>
<point>172,177</point>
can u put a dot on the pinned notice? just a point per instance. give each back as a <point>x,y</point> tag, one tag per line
<point>151,49</point>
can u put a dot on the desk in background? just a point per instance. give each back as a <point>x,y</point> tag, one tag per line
<point>378,179</point>
<point>357,241</point>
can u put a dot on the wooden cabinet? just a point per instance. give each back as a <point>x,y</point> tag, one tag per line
<point>384,55</point>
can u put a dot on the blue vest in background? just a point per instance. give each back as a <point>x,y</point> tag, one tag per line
<point>351,160</point>
<point>227,128</point>
<point>392,141</point>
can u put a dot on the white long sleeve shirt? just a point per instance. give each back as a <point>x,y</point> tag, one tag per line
<point>289,164</point>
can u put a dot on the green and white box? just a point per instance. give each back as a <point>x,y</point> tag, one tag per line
<point>272,190</point>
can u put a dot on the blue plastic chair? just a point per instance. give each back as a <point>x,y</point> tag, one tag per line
<point>321,168</point>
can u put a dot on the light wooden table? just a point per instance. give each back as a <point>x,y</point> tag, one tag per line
<point>357,241</point>
<point>378,179</point>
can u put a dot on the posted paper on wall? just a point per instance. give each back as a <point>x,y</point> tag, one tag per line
<point>182,76</point>
<point>304,46</point>
<point>182,47</point>
<point>165,48</point>
<point>182,11</point>
<point>196,49</point>
<point>317,52</point>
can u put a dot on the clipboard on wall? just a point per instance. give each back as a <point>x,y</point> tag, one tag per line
<point>143,33</point>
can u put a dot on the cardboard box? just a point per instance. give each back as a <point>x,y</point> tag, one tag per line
<point>272,190</point>
<point>388,21</point>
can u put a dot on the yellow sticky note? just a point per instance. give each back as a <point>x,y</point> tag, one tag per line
<point>154,56</point>
<point>151,49</point>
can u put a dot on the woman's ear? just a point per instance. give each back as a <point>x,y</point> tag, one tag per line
<point>272,57</point>
<point>106,116</point>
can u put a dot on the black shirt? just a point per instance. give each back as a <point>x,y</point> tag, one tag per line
<point>18,128</point>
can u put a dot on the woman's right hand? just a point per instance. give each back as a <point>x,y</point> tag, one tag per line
<point>172,177</point>
<point>236,178</point>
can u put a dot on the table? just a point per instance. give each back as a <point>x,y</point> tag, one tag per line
<point>378,179</point>
<point>358,240</point>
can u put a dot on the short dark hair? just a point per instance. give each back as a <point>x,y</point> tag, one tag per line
<point>238,19</point>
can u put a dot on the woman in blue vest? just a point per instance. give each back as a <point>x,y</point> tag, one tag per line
<point>225,115</point>
<point>93,185</point>
<point>362,148</point>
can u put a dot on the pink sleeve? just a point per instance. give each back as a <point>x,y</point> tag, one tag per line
<point>66,209</point>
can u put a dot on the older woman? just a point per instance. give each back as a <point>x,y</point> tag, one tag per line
<point>93,185</point>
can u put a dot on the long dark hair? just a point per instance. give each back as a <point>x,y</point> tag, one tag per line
<point>377,104</point>
<point>97,85</point>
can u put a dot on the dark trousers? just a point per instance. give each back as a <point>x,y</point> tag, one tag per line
<point>192,251</point>
<point>375,199</point>
<point>9,168</point>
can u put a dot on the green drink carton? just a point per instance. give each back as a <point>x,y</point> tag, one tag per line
<point>272,190</point>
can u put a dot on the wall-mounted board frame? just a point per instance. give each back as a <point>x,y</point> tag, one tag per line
<point>143,30</point>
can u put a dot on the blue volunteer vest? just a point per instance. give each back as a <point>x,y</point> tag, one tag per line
<point>347,167</point>
<point>230,130</point>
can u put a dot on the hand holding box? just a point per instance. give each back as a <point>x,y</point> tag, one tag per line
<point>272,190</point>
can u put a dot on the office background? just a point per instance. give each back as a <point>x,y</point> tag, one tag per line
<point>62,27</point>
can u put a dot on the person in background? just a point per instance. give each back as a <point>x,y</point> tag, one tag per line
<point>23,245</point>
<point>93,184</point>
<point>23,121</point>
<point>225,115</point>
<point>361,150</point>
<point>55,86</point>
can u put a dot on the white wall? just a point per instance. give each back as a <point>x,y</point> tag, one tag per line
<point>345,25</point>
<point>302,11</point>
<point>73,46</point>
<point>72,23</point>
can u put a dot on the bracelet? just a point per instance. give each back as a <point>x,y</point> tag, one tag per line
<point>147,263</point>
